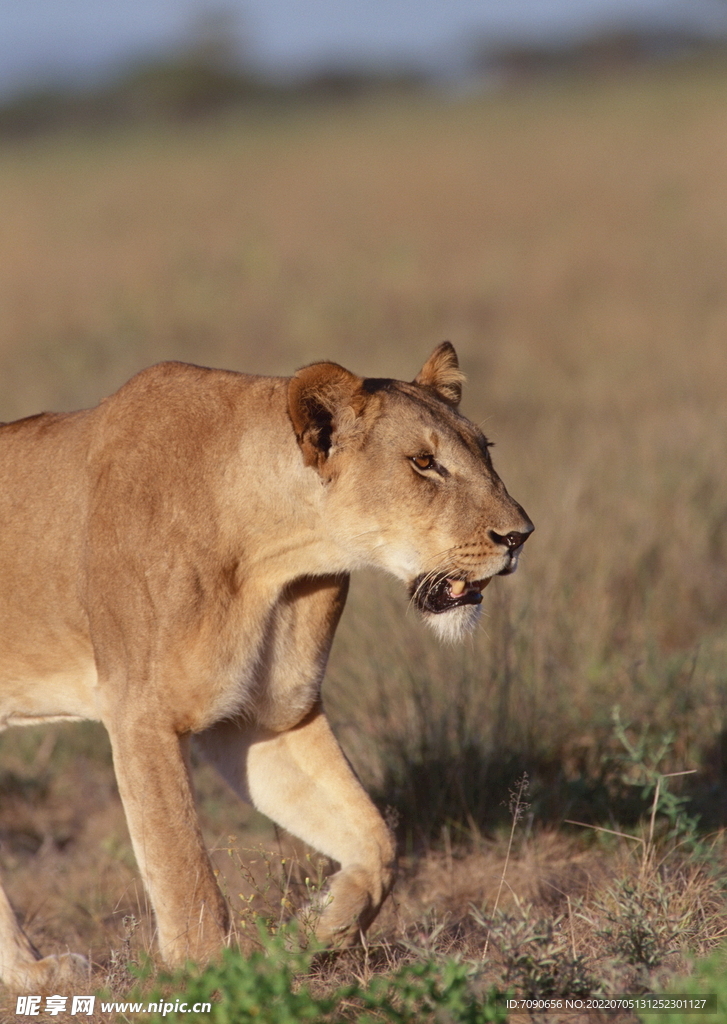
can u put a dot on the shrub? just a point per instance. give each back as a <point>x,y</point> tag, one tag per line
<point>275,985</point>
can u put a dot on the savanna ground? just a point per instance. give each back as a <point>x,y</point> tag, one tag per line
<point>571,241</point>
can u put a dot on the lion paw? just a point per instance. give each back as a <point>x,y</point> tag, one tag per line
<point>56,973</point>
<point>350,909</point>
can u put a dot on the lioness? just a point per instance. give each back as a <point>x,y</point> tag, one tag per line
<point>174,562</point>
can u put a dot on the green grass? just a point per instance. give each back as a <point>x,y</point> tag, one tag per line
<point>266,987</point>
<point>708,978</point>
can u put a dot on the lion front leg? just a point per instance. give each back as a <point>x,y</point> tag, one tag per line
<point>301,779</point>
<point>153,776</point>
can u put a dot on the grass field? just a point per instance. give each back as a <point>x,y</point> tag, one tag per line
<point>571,241</point>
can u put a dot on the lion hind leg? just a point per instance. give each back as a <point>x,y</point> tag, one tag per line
<point>22,970</point>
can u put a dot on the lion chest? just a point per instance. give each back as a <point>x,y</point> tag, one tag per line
<point>279,651</point>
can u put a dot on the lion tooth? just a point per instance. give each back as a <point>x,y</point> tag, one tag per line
<point>456,587</point>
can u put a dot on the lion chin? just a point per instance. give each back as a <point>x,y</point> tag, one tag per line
<point>454,625</point>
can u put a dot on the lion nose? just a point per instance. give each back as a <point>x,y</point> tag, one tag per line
<point>513,540</point>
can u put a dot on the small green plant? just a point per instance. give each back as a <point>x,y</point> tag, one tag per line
<point>259,987</point>
<point>644,926</point>
<point>438,989</point>
<point>275,985</point>
<point>708,977</point>
<point>639,765</point>
<point>641,762</point>
<point>539,958</point>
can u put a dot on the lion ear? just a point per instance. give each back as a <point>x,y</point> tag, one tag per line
<point>442,374</point>
<point>324,401</point>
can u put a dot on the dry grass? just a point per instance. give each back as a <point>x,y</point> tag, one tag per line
<point>571,242</point>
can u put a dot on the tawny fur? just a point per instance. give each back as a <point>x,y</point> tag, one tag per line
<point>174,562</point>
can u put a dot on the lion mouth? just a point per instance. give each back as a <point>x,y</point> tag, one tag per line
<point>442,593</point>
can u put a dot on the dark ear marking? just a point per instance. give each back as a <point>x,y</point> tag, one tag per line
<point>323,401</point>
<point>441,373</point>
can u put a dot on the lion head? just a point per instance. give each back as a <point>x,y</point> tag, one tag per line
<point>410,485</point>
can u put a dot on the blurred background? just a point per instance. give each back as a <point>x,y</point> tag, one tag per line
<point>258,185</point>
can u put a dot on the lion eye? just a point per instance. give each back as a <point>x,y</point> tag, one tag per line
<point>424,461</point>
